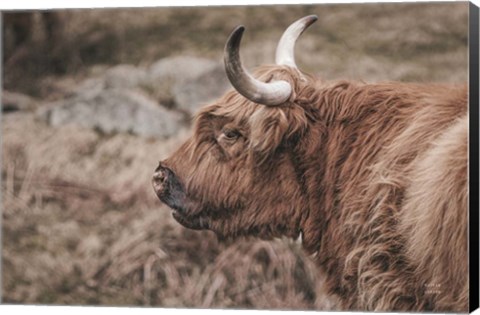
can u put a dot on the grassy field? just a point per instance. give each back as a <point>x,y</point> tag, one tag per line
<point>81,224</point>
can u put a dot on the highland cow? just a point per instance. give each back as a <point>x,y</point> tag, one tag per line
<point>372,177</point>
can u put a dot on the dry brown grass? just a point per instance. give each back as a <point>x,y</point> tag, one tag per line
<point>81,224</point>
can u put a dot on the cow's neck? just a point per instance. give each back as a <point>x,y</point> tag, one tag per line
<point>329,158</point>
<point>306,158</point>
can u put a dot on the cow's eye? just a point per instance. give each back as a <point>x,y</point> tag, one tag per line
<point>231,134</point>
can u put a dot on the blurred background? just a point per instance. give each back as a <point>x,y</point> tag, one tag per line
<point>92,99</point>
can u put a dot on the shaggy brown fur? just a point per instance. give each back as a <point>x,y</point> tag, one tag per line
<point>372,176</point>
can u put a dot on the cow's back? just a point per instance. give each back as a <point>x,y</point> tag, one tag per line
<point>398,224</point>
<point>429,161</point>
<point>434,218</point>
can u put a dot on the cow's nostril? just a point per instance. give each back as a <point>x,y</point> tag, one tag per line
<point>159,176</point>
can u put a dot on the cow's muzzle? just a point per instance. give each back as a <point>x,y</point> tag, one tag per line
<point>159,180</point>
<point>170,191</point>
<point>168,188</point>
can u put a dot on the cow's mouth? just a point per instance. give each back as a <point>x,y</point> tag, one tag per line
<point>197,222</point>
<point>182,212</point>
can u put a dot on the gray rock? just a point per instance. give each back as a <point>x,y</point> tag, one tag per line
<point>193,93</point>
<point>124,76</point>
<point>189,81</point>
<point>117,77</point>
<point>90,87</point>
<point>111,111</point>
<point>12,102</point>
<point>179,69</point>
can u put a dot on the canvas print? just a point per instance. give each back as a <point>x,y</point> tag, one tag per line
<point>302,157</point>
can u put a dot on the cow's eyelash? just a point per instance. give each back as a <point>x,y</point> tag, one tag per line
<point>231,133</point>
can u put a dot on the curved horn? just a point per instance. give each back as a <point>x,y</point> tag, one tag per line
<point>285,54</point>
<point>271,94</point>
